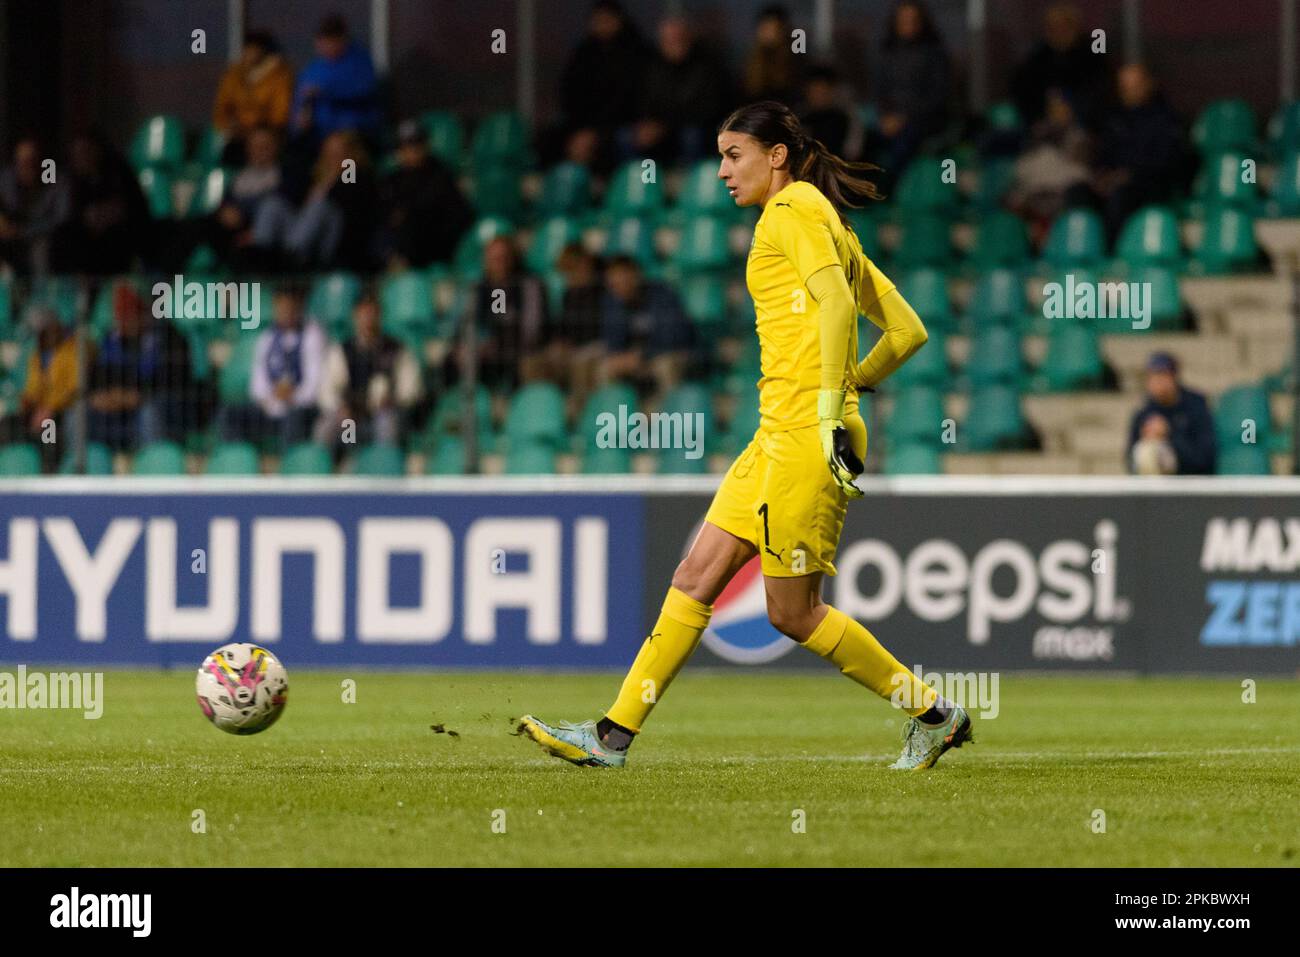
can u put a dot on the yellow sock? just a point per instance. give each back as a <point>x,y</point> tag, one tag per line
<point>681,622</point>
<point>846,643</point>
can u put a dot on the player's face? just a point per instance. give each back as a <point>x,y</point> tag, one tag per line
<point>746,167</point>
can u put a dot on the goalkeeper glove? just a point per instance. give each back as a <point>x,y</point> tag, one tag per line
<point>843,462</point>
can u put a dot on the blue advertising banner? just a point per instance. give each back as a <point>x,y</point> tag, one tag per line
<point>323,578</point>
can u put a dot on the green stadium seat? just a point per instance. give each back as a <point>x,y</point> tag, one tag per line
<point>156,184</point>
<point>633,236</point>
<point>1241,459</point>
<point>999,296</point>
<point>994,357</point>
<point>927,367</point>
<point>606,399</point>
<point>1239,405</point>
<point>1166,303</point>
<point>307,458</point>
<point>914,460</point>
<point>1075,239</point>
<point>677,462</point>
<point>1284,129</point>
<point>922,191</point>
<point>916,418</point>
<point>923,241</point>
<point>1003,117</point>
<point>380,461</point>
<point>703,245</point>
<point>469,251</point>
<point>236,375</point>
<point>744,423</point>
<point>99,461</point>
<point>611,461</point>
<point>704,299</point>
<point>209,189</point>
<point>1220,182</point>
<point>1227,244</point>
<point>703,193</point>
<point>211,144</point>
<point>159,458</point>
<point>501,139</point>
<point>1285,194</point>
<point>1073,361</point>
<point>629,194</point>
<point>537,416</point>
<point>233,458</point>
<point>497,192</point>
<point>549,240</point>
<point>19,461</point>
<point>160,141</point>
<point>1224,125</point>
<point>1001,241</point>
<point>566,190</point>
<point>447,417</point>
<point>995,179</point>
<point>1150,237</point>
<point>406,300</point>
<point>448,456</point>
<point>926,291</point>
<point>994,421</point>
<point>331,300</point>
<point>530,458</point>
<point>446,136</point>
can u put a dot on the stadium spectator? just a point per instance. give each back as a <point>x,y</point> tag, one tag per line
<point>686,93</point>
<point>1063,61</point>
<point>1052,174</point>
<point>141,389</point>
<point>1142,155</point>
<point>30,211</point>
<point>1173,432</point>
<point>509,309</point>
<point>424,213</point>
<point>230,229</point>
<point>53,378</point>
<point>255,93</point>
<point>772,69</point>
<point>825,116</point>
<point>576,346</point>
<point>601,81</point>
<point>913,87</point>
<point>338,89</point>
<point>371,379</point>
<point>285,384</point>
<point>108,224</point>
<point>334,226</point>
<point>648,338</point>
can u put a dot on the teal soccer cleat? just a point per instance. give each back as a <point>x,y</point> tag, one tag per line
<point>923,745</point>
<point>577,743</point>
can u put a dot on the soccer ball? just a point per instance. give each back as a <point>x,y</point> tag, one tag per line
<point>242,688</point>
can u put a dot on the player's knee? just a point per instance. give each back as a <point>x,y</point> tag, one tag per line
<point>794,623</point>
<point>688,577</point>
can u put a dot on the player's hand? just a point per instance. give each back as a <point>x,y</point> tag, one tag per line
<point>837,448</point>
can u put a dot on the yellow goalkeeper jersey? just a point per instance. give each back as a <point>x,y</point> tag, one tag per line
<point>799,233</point>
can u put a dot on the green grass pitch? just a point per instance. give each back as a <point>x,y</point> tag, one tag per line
<point>1184,771</point>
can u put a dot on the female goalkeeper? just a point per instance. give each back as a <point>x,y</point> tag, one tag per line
<point>784,497</point>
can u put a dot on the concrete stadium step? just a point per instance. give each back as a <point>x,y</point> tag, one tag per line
<point>1280,238</point>
<point>1011,463</point>
<point>1211,294</point>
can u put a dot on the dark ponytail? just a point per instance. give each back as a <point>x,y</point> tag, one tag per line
<point>839,180</point>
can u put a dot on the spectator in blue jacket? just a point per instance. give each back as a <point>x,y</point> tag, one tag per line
<point>1173,433</point>
<point>338,89</point>
<point>648,338</point>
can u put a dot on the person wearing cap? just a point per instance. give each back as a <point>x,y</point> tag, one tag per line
<point>1173,432</point>
<point>424,213</point>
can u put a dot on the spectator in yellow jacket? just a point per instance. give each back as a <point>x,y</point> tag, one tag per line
<point>52,383</point>
<point>254,92</point>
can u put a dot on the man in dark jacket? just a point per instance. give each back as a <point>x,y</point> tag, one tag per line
<point>424,212</point>
<point>1063,60</point>
<point>1174,431</point>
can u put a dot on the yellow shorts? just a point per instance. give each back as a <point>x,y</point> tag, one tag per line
<point>779,495</point>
